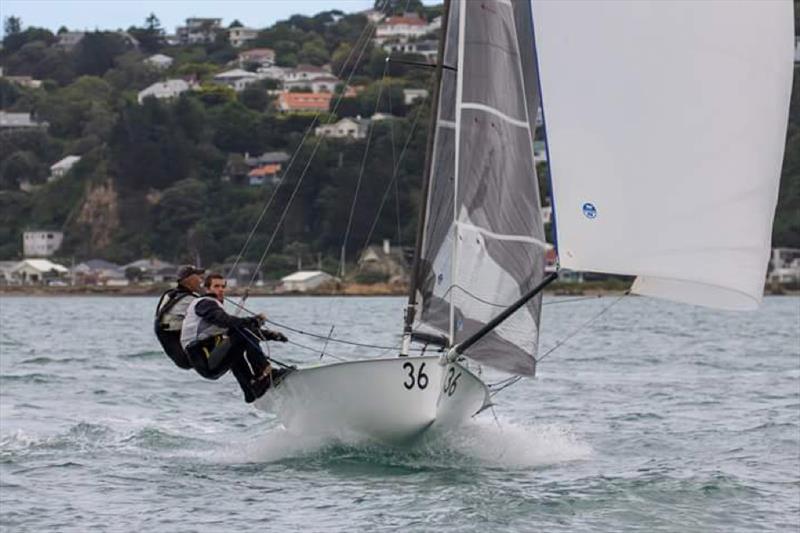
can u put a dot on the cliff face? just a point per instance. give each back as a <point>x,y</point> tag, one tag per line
<point>100,213</point>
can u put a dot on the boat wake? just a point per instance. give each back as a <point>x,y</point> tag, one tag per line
<point>483,443</point>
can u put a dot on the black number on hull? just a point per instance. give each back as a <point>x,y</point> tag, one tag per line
<point>421,379</point>
<point>451,382</point>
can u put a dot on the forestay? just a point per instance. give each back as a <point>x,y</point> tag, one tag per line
<point>483,242</point>
<point>665,128</point>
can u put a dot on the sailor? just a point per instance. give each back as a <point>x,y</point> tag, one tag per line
<point>171,311</point>
<point>216,342</point>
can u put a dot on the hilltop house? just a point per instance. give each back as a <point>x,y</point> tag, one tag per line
<point>19,121</point>
<point>263,57</point>
<point>428,49</point>
<point>408,25</point>
<point>241,35</point>
<point>59,169</point>
<point>69,39</point>
<point>159,61</point>
<point>410,95</point>
<point>347,128</point>
<point>164,89</point>
<point>198,30</point>
<point>320,84</point>
<point>41,243</point>
<point>305,72</point>
<point>237,79</point>
<point>297,102</point>
<point>264,173</point>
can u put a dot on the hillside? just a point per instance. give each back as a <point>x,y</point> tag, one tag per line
<point>167,177</point>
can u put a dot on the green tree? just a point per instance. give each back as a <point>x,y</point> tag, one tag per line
<point>96,52</point>
<point>12,25</point>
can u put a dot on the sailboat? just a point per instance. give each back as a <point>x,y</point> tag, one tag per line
<point>665,126</point>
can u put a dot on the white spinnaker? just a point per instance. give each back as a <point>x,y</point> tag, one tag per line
<point>666,126</point>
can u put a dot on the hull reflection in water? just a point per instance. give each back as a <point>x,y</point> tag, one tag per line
<point>392,400</point>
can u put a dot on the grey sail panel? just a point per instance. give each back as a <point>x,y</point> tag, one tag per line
<point>500,237</point>
<point>483,252</point>
<point>435,273</point>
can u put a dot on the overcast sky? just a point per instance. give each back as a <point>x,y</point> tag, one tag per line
<point>114,14</point>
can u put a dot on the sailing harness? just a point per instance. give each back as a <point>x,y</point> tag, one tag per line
<point>168,321</point>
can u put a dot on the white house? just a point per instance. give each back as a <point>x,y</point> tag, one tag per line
<point>59,169</point>
<point>304,281</point>
<point>159,61</point>
<point>198,30</point>
<point>164,89</point>
<point>237,78</point>
<point>30,271</point>
<point>41,243</point>
<point>69,39</point>
<point>19,121</point>
<point>305,72</point>
<point>320,84</point>
<point>241,35</point>
<point>347,128</point>
<point>406,26</point>
<point>428,49</point>
<point>409,95</point>
<point>264,57</point>
<point>784,266</point>
<point>272,72</point>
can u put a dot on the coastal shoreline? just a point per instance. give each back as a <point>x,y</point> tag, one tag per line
<point>593,288</point>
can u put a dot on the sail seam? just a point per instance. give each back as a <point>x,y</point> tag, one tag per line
<point>496,112</point>
<point>503,236</point>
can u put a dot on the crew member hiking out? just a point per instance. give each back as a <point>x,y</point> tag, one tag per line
<point>171,311</point>
<point>217,342</point>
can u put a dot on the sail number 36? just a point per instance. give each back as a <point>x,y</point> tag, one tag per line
<point>420,379</point>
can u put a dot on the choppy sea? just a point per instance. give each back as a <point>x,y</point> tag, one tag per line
<point>655,417</point>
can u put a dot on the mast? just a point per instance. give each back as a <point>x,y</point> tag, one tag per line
<point>412,289</point>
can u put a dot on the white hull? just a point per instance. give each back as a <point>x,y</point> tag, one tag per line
<point>394,399</point>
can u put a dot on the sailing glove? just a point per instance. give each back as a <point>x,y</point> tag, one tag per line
<point>274,335</point>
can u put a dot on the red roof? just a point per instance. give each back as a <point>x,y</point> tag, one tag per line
<point>305,101</point>
<point>409,21</point>
<point>265,170</point>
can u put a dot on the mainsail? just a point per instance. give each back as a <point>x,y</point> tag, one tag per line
<point>665,128</point>
<point>483,241</point>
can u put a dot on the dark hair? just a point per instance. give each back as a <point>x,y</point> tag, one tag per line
<point>212,276</point>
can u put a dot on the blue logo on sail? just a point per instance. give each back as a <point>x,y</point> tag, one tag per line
<point>589,210</point>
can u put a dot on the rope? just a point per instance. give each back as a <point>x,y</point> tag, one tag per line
<point>394,177</point>
<point>582,326</point>
<point>363,166</point>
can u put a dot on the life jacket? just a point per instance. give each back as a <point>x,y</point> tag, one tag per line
<point>172,307</point>
<point>170,313</point>
<point>196,328</point>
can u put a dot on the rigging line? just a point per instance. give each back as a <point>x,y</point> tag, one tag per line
<point>582,326</point>
<point>363,166</point>
<point>506,385</point>
<point>315,335</point>
<point>340,341</point>
<point>304,172</point>
<point>394,164</point>
<point>297,150</point>
<point>310,349</point>
<point>573,300</point>
<point>394,177</point>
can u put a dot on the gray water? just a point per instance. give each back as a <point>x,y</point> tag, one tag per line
<point>656,417</point>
